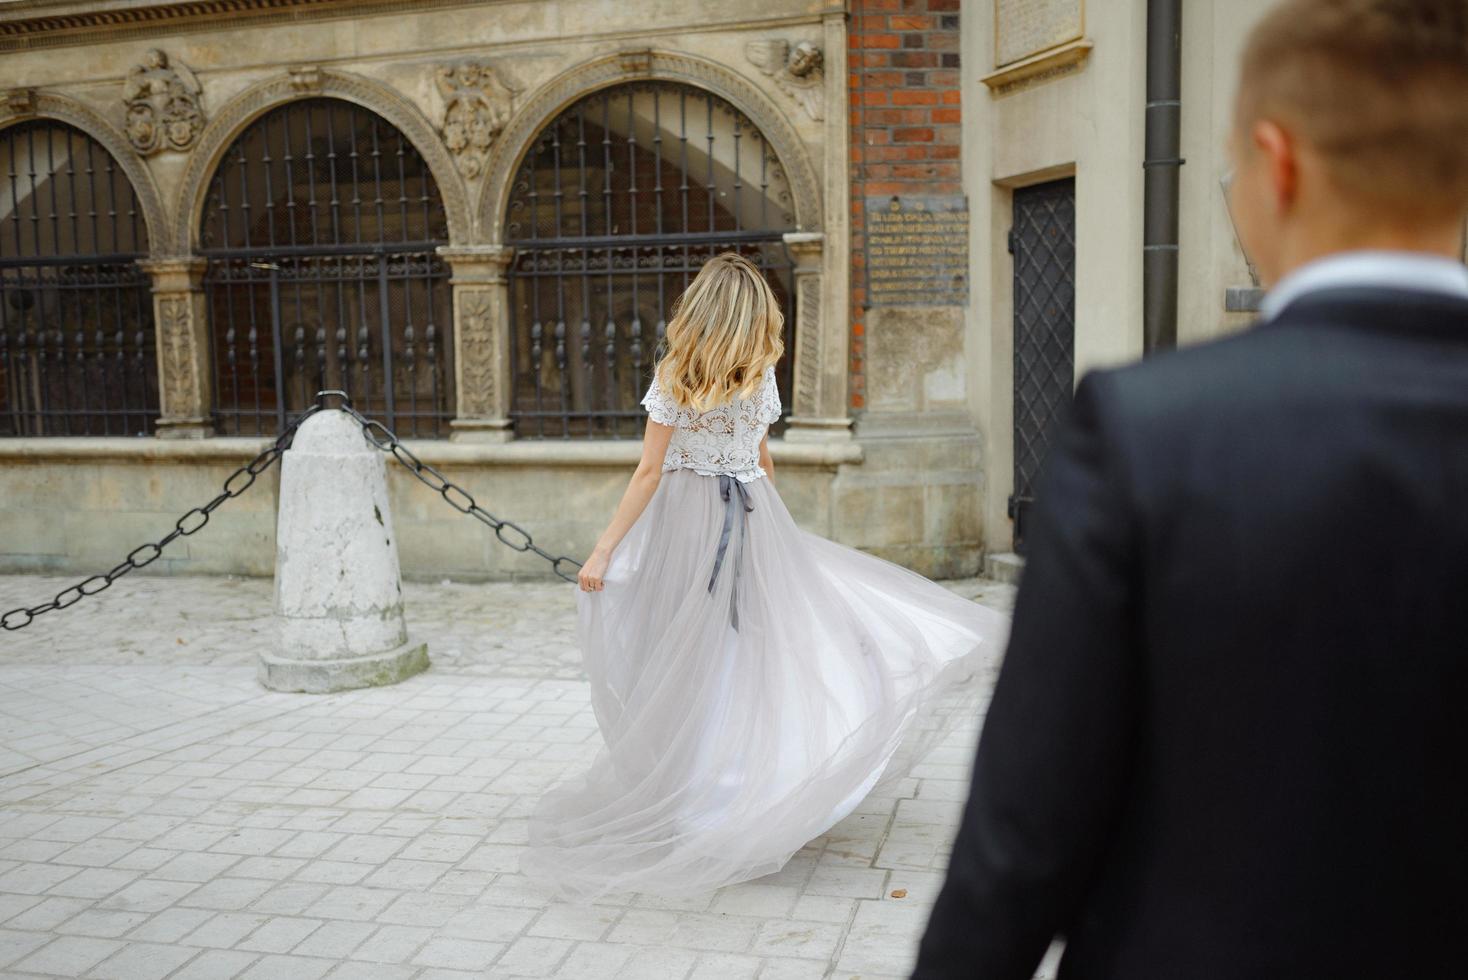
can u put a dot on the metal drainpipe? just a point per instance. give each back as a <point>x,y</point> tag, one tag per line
<point>1162,166</point>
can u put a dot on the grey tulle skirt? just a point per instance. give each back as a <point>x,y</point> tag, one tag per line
<point>743,720</point>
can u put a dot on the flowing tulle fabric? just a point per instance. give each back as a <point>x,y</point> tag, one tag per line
<point>743,722</point>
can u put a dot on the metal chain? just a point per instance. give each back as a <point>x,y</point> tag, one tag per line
<point>456,496</point>
<point>376,433</point>
<point>146,554</point>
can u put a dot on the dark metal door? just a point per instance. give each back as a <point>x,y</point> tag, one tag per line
<point>1043,245</point>
<point>617,205</point>
<point>320,228</point>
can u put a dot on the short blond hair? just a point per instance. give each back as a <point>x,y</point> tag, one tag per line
<point>727,327</point>
<point>1379,88</point>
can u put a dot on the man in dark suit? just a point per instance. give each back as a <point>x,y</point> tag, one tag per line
<point>1230,738</point>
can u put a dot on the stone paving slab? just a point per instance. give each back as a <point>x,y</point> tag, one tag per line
<point>163,816</point>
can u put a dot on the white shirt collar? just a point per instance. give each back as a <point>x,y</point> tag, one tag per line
<point>1368,268</point>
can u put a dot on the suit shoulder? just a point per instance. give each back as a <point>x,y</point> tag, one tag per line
<point>1222,375</point>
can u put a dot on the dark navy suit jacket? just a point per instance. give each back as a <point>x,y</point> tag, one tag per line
<point>1230,737</point>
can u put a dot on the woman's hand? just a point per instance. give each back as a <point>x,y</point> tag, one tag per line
<point>640,489</point>
<point>593,572</point>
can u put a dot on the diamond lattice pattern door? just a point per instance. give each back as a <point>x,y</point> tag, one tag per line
<point>1043,245</point>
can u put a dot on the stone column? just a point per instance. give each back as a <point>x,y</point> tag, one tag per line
<point>482,375</point>
<point>816,414</point>
<point>181,335</point>
<point>823,267</point>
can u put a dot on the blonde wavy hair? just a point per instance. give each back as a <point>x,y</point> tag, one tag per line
<point>727,327</point>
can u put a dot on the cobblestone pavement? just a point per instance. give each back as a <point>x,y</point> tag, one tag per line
<point>162,815</point>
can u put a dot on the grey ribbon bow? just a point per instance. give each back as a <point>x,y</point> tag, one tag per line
<point>734,501</point>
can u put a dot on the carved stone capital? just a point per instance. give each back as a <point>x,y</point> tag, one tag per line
<point>806,248</point>
<point>481,264</point>
<point>172,274</point>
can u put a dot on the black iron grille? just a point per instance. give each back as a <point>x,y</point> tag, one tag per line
<point>616,206</point>
<point>320,229</point>
<point>76,315</point>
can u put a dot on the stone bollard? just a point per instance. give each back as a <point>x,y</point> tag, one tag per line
<point>338,589</point>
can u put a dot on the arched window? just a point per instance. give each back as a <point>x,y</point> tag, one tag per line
<point>76,313</point>
<point>320,228</point>
<point>616,206</point>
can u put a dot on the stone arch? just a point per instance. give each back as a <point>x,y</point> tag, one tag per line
<point>245,108</point>
<point>516,139</point>
<point>46,105</point>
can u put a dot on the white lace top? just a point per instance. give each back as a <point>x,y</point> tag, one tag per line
<point>721,440</point>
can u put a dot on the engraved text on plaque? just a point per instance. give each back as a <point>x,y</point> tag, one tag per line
<point>917,251</point>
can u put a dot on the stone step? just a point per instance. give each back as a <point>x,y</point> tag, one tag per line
<point>1004,566</point>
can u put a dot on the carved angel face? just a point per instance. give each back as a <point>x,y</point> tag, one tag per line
<point>155,59</point>
<point>140,126</point>
<point>805,58</point>
<point>454,136</point>
<point>480,134</point>
<point>181,132</point>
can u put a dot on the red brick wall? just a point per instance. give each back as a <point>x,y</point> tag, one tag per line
<point>905,110</point>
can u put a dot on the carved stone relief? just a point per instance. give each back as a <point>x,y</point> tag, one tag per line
<point>176,334</point>
<point>799,71</point>
<point>21,101</point>
<point>477,104</point>
<point>163,110</point>
<point>806,249</point>
<point>305,79</point>
<point>476,328</point>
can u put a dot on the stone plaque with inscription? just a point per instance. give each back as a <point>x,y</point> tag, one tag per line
<point>917,251</point>
<point>1026,27</point>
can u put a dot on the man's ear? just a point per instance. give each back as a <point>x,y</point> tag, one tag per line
<point>1280,161</point>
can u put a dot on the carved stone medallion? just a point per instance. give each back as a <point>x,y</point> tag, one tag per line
<point>162,105</point>
<point>477,104</point>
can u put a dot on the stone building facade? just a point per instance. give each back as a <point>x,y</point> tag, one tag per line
<point>472,217</point>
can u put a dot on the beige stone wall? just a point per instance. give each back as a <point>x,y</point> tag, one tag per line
<point>917,498</point>
<point>1089,122</point>
<point>80,505</point>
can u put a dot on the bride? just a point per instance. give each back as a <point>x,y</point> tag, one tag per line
<point>753,681</point>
